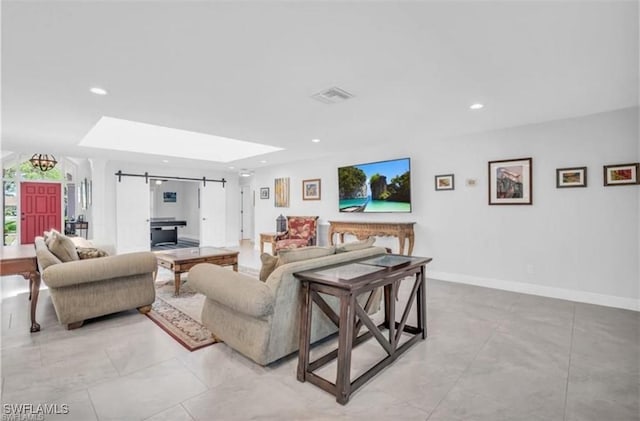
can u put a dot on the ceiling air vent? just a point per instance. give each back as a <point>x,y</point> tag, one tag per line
<point>332,95</point>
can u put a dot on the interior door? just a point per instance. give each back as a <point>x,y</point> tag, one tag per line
<point>40,209</point>
<point>133,207</point>
<point>213,221</point>
<point>246,213</point>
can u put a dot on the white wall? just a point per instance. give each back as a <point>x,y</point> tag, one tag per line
<point>580,244</point>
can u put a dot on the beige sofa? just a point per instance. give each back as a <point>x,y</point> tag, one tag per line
<point>83,289</point>
<point>260,319</point>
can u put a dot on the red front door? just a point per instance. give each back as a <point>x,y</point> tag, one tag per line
<point>40,209</point>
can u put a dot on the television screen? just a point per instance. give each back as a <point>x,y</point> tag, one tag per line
<point>383,186</point>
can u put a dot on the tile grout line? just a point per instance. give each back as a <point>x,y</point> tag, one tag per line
<point>455,383</point>
<point>92,405</point>
<point>186,410</point>
<point>491,336</point>
<point>566,389</point>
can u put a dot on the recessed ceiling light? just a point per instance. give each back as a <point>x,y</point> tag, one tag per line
<point>98,91</point>
<point>231,168</point>
<point>165,160</point>
<point>315,140</point>
<point>264,161</point>
<point>476,106</point>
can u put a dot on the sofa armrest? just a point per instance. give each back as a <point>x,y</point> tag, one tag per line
<point>99,269</point>
<point>237,291</point>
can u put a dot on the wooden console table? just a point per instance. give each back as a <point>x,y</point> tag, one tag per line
<point>364,230</point>
<point>21,260</point>
<point>348,281</point>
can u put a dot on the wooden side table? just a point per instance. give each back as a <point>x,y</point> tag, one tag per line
<point>268,237</point>
<point>21,260</point>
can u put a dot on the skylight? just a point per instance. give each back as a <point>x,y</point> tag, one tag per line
<point>131,136</point>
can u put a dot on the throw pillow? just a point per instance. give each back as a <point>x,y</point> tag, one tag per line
<point>269,264</point>
<point>304,253</point>
<point>90,252</point>
<point>355,245</point>
<point>62,247</point>
<point>48,236</point>
<point>80,242</point>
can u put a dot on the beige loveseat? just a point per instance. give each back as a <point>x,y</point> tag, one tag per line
<point>83,289</point>
<point>260,319</point>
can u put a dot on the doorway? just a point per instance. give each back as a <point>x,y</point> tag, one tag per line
<point>40,209</point>
<point>246,213</point>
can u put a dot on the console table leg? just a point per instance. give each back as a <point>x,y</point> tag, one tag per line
<point>345,343</point>
<point>401,240</point>
<point>422,303</point>
<point>34,291</point>
<point>305,333</point>
<point>411,240</point>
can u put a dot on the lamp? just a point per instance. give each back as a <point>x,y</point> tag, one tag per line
<point>43,162</point>
<point>281,224</point>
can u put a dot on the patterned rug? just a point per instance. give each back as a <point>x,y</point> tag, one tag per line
<point>180,316</point>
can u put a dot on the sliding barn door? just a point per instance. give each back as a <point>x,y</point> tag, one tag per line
<point>133,207</point>
<point>213,213</point>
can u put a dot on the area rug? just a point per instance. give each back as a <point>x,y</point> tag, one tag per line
<point>180,316</point>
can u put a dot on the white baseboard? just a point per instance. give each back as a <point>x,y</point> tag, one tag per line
<point>542,290</point>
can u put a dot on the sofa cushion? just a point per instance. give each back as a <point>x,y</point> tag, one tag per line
<point>90,252</point>
<point>269,264</point>
<point>355,245</point>
<point>305,253</point>
<point>63,248</point>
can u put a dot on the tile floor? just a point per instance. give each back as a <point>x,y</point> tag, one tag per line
<point>490,355</point>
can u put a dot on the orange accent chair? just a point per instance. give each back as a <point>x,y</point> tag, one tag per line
<point>302,231</point>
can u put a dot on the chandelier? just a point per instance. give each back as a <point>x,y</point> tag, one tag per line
<point>43,162</point>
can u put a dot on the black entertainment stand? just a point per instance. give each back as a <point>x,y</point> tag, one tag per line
<point>165,230</point>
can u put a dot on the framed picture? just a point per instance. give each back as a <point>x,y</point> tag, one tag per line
<point>281,192</point>
<point>445,182</point>
<point>169,197</point>
<point>510,182</point>
<point>311,189</point>
<point>621,174</point>
<point>571,177</point>
<point>264,192</point>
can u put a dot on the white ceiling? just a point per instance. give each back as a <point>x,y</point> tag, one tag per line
<point>247,70</point>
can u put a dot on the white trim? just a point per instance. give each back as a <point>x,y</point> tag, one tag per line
<point>545,291</point>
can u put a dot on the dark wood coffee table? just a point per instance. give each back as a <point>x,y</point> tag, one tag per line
<point>181,260</point>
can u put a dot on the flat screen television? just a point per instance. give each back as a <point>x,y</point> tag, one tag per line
<point>383,186</point>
